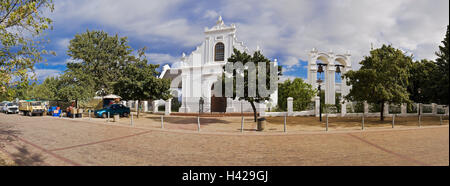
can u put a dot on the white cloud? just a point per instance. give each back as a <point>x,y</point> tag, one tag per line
<point>159,58</point>
<point>295,27</point>
<point>285,77</point>
<point>148,20</point>
<point>69,60</point>
<point>286,27</point>
<point>211,14</point>
<point>41,74</point>
<point>63,44</point>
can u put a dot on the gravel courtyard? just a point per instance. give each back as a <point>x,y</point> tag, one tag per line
<point>54,141</point>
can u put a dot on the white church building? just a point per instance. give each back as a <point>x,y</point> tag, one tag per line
<point>194,76</point>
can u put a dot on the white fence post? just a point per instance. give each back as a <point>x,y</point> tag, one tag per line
<point>343,109</point>
<point>167,109</point>
<point>386,109</point>
<point>403,109</point>
<point>434,108</point>
<point>366,107</point>
<point>145,106</point>
<point>136,105</point>
<point>155,106</point>
<point>290,105</point>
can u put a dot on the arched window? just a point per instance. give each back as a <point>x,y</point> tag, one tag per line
<point>219,52</point>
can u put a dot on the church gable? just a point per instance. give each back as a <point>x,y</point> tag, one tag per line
<point>217,46</point>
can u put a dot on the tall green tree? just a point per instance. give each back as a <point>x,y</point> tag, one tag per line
<point>245,58</point>
<point>301,91</point>
<point>139,81</point>
<point>423,76</point>
<point>76,85</point>
<point>443,70</point>
<point>48,90</point>
<point>101,56</point>
<point>382,78</point>
<point>22,23</point>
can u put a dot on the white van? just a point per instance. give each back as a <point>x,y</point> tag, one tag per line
<point>11,108</point>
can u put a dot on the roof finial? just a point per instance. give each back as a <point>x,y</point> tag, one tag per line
<point>220,21</point>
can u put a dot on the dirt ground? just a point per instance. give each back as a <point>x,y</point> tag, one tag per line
<point>54,141</point>
<point>276,124</point>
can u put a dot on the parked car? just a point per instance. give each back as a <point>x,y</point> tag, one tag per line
<point>11,108</point>
<point>113,110</point>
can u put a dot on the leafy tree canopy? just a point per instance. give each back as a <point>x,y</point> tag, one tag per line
<point>100,56</point>
<point>245,58</point>
<point>22,23</point>
<point>301,91</point>
<point>382,78</point>
<point>139,81</point>
<point>443,70</point>
<point>423,77</point>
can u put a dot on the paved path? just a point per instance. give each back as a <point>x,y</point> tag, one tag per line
<point>50,141</point>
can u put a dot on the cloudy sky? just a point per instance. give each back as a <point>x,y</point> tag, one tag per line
<point>284,29</point>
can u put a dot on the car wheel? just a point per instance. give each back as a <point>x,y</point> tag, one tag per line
<point>104,115</point>
<point>125,114</point>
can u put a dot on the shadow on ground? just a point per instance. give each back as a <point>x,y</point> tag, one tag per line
<point>23,157</point>
<point>8,131</point>
<point>26,158</point>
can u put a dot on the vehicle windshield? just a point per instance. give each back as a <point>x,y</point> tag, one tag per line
<point>12,104</point>
<point>36,103</point>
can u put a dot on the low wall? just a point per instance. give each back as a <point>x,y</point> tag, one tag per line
<point>301,113</point>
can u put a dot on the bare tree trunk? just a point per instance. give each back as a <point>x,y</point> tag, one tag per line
<point>382,111</point>
<point>254,110</point>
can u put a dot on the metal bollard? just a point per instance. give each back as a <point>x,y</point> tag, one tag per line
<point>131,118</point>
<point>198,123</point>
<point>440,119</point>
<point>108,118</point>
<point>393,120</point>
<point>420,118</point>
<point>362,123</point>
<point>285,118</point>
<point>89,114</point>
<point>73,116</point>
<point>242,124</point>
<point>162,122</point>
